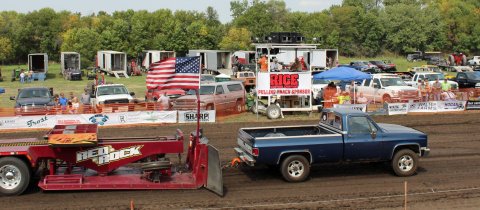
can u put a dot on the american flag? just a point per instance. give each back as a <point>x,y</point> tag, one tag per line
<point>180,72</point>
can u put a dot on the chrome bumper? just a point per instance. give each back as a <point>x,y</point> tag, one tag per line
<point>424,151</point>
<point>244,156</point>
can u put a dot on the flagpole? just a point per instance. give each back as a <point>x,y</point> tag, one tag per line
<point>197,91</point>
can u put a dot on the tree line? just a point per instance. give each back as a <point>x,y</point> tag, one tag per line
<point>356,28</point>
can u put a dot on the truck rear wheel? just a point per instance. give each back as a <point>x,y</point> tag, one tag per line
<point>405,162</point>
<point>295,168</point>
<point>14,176</point>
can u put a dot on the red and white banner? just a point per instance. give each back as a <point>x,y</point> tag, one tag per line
<point>284,83</point>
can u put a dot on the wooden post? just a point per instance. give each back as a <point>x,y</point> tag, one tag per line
<point>405,188</point>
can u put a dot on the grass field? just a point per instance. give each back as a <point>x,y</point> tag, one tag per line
<point>60,85</point>
<point>134,84</point>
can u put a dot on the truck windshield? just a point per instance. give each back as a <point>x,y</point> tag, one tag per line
<point>204,90</point>
<point>393,81</point>
<point>34,94</point>
<point>111,90</point>
<point>433,77</point>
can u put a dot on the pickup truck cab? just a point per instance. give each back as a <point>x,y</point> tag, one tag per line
<point>431,76</point>
<point>468,79</point>
<point>111,94</point>
<point>33,101</point>
<point>388,88</point>
<point>214,96</point>
<point>342,136</point>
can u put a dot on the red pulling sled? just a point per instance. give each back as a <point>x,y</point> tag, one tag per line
<point>72,158</point>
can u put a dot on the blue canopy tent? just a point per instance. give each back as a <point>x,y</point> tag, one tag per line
<point>343,74</point>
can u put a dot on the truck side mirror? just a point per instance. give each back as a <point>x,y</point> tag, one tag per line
<point>374,134</point>
<point>132,93</point>
<point>12,98</point>
<point>92,96</point>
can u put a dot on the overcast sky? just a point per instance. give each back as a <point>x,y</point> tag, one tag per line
<point>90,6</point>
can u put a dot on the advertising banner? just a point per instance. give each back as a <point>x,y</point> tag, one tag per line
<point>473,105</point>
<point>43,121</point>
<point>396,108</point>
<point>125,118</point>
<point>360,107</point>
<point>284,83</point>
<point>430,106</point>
<point>120,118</point>
<point>448,106</point>
<point>191,116</point>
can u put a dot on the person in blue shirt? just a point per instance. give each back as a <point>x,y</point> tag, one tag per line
<point>63,101</point>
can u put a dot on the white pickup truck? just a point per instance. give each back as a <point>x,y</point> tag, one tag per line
<point>388,88</point>
<point>431,76</point>
<point>111,94</point>
<point>474,61</point>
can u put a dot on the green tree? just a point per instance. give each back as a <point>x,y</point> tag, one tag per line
<point>6,49</point>
<point>84,41</point>
<point>236,39</point>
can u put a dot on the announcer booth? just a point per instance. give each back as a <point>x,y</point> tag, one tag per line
<point>286,87</point>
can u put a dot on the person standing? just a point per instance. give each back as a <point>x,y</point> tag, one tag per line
<point>164,101</point>
<point>362,99</point>
<point>22,76</point>
<point>436,90</point>
<point>263,63</point>
<point>30,76</point>
<point>85,98</point>
<point>63,101</point>
<point>423,90</point>
<point>445,85</point>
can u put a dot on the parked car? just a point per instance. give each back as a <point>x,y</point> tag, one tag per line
<point>342,136</point>
<point>388,88</point>
<point>33,101</point>
<point>468,79</point>
<point>431,76</point>
<point>474,61</point>
<point>362,68</point>
<point>366,66</point>
<point>384,67</point>
<point>154,94</point>
<point>214,96</point>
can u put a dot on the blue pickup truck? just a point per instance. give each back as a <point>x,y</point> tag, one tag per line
<point>342,136</point>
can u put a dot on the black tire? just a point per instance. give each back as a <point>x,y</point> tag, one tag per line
<point>405,162</point>
<point>273,112</point>
<point>16,185</point>
<point>295,168</point>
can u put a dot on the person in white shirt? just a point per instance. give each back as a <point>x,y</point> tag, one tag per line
<point>164,101</point>
<point>361,99</point>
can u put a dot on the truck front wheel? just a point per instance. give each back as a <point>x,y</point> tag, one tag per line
<point>295,168</point>
<point>14,176</point>
<point>405,162</point>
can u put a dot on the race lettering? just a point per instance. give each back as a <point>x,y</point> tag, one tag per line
<point>107,154</point>
<point>284,80</point>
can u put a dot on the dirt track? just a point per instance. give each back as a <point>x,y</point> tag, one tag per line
<point>447,179</point>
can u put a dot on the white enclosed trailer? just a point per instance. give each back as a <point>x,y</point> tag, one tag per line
<point>214,59</point>
<point>70,65</point>
<point>112,62</point>
<point>38,63</point>
<point>151,56</point>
